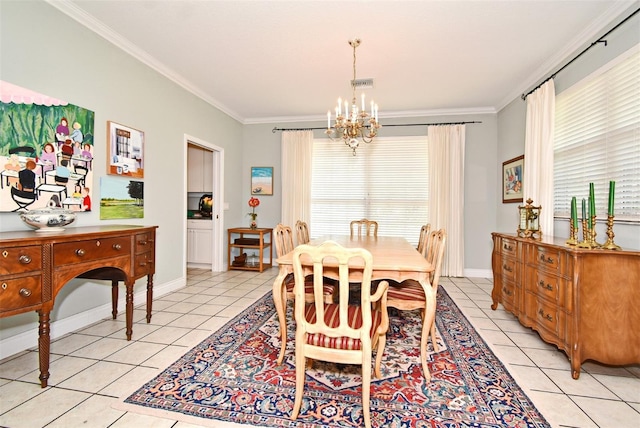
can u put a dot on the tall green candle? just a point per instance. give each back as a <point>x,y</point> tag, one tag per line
<point>584,209</point>
<point>592,201</point>
<point>574,213</point>
<point>612,190</point>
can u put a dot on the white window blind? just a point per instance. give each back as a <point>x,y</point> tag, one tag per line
<point>597,139</point>
<point>387,181</point>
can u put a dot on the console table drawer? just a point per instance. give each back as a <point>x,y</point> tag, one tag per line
<point>93,249</point>
<point>144,242</point>
<point>20,259</point>
<point>143,264</point>
<point>20,293</point>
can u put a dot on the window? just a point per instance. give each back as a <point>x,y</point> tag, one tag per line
<point>597,139</point>
<point>387,181</point>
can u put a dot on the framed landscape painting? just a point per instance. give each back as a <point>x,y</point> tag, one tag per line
<point>262,180</point>
<point>512,175</point>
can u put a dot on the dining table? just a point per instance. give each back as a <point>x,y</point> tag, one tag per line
<point>394,258</point>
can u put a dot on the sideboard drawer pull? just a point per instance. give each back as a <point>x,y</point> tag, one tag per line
<point>4,285</point>
<point>117,247</point>
<point>546,259</point>
<point>24,259</point>
<point>143,242</point>
<point>507,247</point>
<point>80,252</point>
<point>506,291</point>
<point>546,286</point>
<point>507,268</point>
<point>24,292</point>
<point>545,316</point>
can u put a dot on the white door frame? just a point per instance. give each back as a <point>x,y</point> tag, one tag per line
<point>218,198</point>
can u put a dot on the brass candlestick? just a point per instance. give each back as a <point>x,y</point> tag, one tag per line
<point>588,236</point>
<point>573,234</point>
<point>610,245</point>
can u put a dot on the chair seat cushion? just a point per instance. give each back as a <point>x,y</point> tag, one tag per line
<point>406,290</point>
<point>332,319</point>
<point>327,288</point>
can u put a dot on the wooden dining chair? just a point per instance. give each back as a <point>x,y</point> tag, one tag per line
<point>364,227</point>
<point>409,295</point>
<point>302,232</point>
<point>424,238</point>
<point>338,332</point>
<point>283,237</point>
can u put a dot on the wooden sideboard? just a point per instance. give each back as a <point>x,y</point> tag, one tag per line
<point>34,266</point>
<point>586,302</point>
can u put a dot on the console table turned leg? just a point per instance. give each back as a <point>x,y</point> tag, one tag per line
<point>44,346</point>
<point>114,299</point>
<point>149,297</point>
<point>129,305</point>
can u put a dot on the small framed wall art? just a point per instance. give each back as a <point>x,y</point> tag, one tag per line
<point>262,180</point>
<point>125,151</point>
<point>512,175</point>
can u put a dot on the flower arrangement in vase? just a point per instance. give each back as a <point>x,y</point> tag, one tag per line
<point>253,203</point>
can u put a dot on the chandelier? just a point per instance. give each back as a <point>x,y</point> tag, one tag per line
<point>353,125</point>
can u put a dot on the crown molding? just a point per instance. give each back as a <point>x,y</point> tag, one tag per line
<point>79,15</point>
<point>386,115</point>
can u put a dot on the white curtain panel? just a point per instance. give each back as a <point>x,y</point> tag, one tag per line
<point>297,149</point>
<point>538,153</point>
<point>446,192</point>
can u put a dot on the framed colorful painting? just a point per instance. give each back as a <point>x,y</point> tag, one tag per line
<point>262,180</point>
<point>512,180</point>
<point>126,155</point>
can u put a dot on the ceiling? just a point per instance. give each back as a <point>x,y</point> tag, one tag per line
<point>269,61</point>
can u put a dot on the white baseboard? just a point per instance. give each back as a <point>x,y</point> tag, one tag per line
<point>29,339</point>
<point>478,273</point>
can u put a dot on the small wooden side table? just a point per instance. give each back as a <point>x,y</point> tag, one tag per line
<point>241,238</point>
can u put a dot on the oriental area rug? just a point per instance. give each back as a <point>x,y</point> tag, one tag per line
<point>233,376</point>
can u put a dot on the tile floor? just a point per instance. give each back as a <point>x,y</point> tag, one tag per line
<point>92,367</point>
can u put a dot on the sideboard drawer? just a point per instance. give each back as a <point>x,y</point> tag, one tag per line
<point>550,287</point>
<point>547,258</point>
<point>89,250</point>
<point>509,247</point>
<point>20,259</point>
<point>508,268</point>
<point>20,293</point>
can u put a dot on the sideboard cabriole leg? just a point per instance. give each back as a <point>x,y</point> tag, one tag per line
<point>114,299</point>
<point>44,345</point>
<point>149,296</point>
<point>129,315</point>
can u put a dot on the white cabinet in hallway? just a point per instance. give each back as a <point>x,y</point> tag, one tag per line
<point>199,169</point>
<point>199,242</point>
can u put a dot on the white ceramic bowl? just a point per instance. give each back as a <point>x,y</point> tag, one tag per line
<point>48,219</point>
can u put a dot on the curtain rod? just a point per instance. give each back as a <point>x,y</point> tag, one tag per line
<point>524,96</point>
<point>384,126</point>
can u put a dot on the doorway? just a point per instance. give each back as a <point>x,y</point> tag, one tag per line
<point>216,186</point>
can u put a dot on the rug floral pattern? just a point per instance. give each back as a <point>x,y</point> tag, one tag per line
<point>233,376</point>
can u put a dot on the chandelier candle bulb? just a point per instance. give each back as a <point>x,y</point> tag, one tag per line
<point>363,107</point>
<point>612,187</point>
<point>339,106</point>
<point>329,120</point>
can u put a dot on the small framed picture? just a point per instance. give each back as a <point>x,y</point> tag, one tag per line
<point>512,175</point>
<point>262,180</point>
<point>125,151</point>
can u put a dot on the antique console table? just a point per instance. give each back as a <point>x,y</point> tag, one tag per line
<point>34,266</point>
<point>584,301</point>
